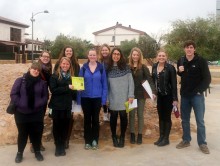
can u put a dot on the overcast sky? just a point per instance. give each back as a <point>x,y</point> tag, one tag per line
<point>80,18</point>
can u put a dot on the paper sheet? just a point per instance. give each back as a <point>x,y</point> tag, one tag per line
<point>148,89</point>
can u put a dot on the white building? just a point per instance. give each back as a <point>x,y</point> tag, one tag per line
<point>13,42</point>
<point>11,35</point>
<point>113,36</point>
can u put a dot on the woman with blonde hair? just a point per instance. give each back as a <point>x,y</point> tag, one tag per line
<point>61,103</point>
<point>68,52</point>
<point>164,76</point>
<point>140,73</point>
<point>104,54</point>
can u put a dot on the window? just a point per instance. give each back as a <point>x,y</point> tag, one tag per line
<point>15,34</point>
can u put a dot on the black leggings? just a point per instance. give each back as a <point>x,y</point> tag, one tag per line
<point>60,130</point>
<point>164,107</point>
<point>91,109</point>
<point>31,129</point>
<point>113,122</point>
<point>105,108</point>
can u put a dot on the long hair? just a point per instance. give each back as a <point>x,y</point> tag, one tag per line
<point>58,72</point>
<point>121,63</point>
<point>73,59</point>
<point>101,58</point>
<point>49,64</point>
<point>140,60</point>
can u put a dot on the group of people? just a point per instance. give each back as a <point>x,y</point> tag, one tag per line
<point>109,82</point>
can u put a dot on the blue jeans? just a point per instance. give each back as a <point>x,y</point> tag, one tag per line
<point>197,102</point>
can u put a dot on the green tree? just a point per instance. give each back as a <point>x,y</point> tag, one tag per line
<point>205,33</point>
<point>148,46</point>
<point>80,46</point>
<point>126,46</point>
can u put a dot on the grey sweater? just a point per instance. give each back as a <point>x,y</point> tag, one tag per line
<point>120,88</point>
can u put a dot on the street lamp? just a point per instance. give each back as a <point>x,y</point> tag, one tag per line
<point>32,21</point>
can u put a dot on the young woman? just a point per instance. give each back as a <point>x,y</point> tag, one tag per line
<point>61,103</point>
<point>140,73</point>
<point>164,76</point>
<point>29,93</point>
<point>92,98</point>
<point>120,90</point>
<point>104,58</point>
<point>68,52</point>
<point>46,72</point>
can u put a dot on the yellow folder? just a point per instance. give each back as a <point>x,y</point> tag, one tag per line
<point>78,83</point>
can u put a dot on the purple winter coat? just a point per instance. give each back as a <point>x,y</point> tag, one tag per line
<point>19,96</point>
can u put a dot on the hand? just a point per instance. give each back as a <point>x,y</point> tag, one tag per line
<point>175,103</point>
<point>154,97</point>
<point>181,69</point>
<point>130,100</point>
<point>71,87</point>
<point>107,103</point>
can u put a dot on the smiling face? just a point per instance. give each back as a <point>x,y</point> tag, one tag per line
<point>116,56</point>
<point>105,51</point>
<point>161,57</point>
<point>135,56</point>
<point>65,65</point>
<point>68,52</point>
<point>45,58</point>
<point>34,72</point>
<point>189,50</point>
<point>92,56</point>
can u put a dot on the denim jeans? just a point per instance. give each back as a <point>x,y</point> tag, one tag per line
<point>197,102</point>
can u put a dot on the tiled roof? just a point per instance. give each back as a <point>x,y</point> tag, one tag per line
<point>12,22</point>
<point>119,26</point>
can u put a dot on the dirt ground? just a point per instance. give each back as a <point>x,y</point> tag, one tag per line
<point>8,131</point>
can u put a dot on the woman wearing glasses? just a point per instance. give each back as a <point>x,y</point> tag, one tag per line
<point>121,89</point>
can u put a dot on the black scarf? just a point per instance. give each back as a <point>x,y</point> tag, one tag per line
<point>30,83</point>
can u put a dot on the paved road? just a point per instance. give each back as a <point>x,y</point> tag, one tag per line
<point>134,155</point>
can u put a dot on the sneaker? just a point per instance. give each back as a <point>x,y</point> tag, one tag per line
<point>182,144</point>
<point>87,146</point>
<point>204,148</point>
<point>105,118</point>
<point>94,145</point>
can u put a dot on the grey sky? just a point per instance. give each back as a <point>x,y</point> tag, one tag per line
<point>81,18</point>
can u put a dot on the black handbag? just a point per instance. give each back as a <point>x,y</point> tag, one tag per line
<point>11,108</point>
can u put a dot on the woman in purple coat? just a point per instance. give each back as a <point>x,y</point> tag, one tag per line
<point>29,94</point>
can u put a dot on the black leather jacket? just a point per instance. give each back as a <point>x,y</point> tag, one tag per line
<point>168,80</point>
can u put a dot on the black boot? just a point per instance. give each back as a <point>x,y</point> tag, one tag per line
<point>121,142</point>
<point>39,156</point>
<point>58,148</point>
<point>62,149</point>
<point>139,139</point>
<point>165,141</point>
<point>161,130</point>
<point>132,139</point>
<point>57,151</point>
<point>69,133</point>
<point>67,144</point>
<point>115,141</point>
<point>19,157</point>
